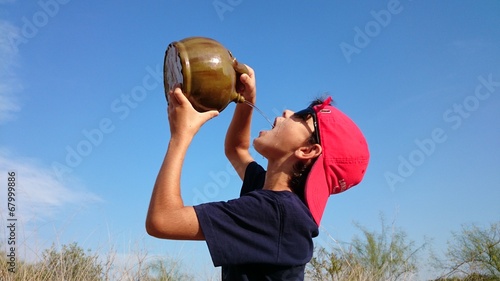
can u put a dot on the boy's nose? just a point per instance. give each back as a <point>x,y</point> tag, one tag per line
<point>287,113</point>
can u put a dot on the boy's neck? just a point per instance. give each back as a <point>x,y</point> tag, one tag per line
<point>277,176</point>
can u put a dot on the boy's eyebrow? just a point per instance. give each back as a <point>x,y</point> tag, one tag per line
<point>303,117</point>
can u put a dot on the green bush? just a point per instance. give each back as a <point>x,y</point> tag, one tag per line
<point>71,263</point>
<point>384,256</point>
<point>473,252</point>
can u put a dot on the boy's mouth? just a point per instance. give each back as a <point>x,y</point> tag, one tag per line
<point>261,133</point>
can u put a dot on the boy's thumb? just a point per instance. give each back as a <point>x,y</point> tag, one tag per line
<point>211,114</point>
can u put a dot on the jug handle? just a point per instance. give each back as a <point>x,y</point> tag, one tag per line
<point>240,68</point>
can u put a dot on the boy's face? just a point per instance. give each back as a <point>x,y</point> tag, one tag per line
<point>288,134</point>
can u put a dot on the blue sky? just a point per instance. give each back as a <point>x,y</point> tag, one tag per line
<point>83,114</point>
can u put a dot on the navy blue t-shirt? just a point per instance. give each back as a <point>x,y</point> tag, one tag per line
<point>263,235</point>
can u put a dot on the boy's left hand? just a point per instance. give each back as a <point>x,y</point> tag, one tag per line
<point>183,118</point>
<point>246,86</point>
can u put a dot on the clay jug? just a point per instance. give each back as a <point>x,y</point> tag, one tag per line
<point>207,72</point>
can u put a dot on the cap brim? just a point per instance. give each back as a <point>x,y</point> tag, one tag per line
<point>316,191</point>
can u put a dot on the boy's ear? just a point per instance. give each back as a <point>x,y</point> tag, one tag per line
<point>308,152</point>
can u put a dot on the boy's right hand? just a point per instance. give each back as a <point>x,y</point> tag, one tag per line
<point>246,86</point>
<point>183,118</point>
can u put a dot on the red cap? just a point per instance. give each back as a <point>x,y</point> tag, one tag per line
<point>343,161</point>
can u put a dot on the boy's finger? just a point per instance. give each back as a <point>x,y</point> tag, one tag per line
<point>244,78</point>
<point>179,96</point>
<point>172,100</point>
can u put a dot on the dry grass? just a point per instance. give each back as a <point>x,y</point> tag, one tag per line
<point>71,263</point>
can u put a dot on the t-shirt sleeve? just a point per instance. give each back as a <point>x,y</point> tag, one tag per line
<point>254,178</point>
<point>241,231</point>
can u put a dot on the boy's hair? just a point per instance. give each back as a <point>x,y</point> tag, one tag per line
<point>300,170</point>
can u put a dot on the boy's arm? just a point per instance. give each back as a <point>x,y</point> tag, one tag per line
<point>237,142</point>
<point>167,216</point>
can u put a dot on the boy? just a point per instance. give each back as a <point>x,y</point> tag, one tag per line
<point>265,234</point>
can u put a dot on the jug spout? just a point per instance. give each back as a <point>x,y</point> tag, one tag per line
<point>237,98</point>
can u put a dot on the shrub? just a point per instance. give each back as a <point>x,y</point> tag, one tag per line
<point>387,255</point>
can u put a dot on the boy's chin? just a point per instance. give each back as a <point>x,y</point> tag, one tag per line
<point>257,144</point>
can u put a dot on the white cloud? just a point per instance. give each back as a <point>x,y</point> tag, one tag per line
<point>9,83</point>
<point>39,193</point>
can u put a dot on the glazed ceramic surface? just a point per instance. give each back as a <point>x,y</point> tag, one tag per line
<point>207,72</point>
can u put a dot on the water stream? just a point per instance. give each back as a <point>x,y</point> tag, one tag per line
<point>260,111</point>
